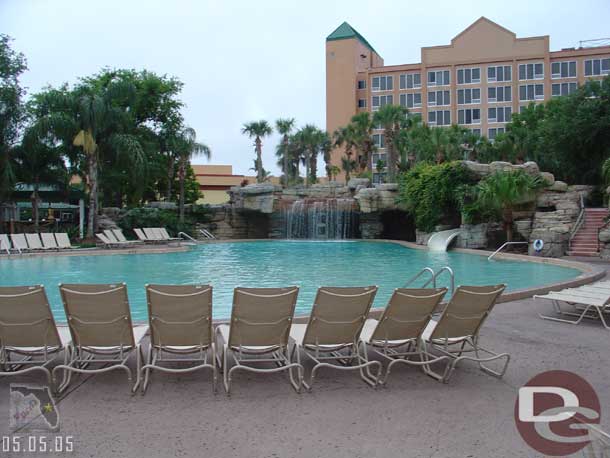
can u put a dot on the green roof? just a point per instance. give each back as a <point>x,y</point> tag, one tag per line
<point>346,31</point>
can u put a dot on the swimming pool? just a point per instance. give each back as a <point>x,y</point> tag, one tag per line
<point>308,264</point>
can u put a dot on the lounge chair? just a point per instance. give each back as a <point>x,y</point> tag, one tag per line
<point>396,336</point>
<point>107,242</point>
<point>29,340</point>
<point>48,241</point>
<point>118,234</point>
<point>101,329</point>
<point>19,242</point>
<point>5,244</point>
<point>588,301</point>
<point>456,333</point>
<point>152,235</point>
<point>141,236</point>
<point>114,240</point>
<point>333,332</point>
<point>34,242</point>
<point>63,241</point>
<point>162,232</point>
<point>260,333</point>
<point>180,318</point>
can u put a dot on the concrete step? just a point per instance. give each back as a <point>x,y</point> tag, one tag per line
<point>583,253</point>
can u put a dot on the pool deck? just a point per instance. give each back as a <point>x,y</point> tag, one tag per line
<point>414,416</point>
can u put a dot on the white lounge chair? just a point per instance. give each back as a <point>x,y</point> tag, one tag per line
<point>106,241</point>
<point>5,244</point>
<point>162,232</point>
<point>34,242</point>
<point>589,301</point>
<point>19,242</point>
<point>151,234</point>
<point>141,236</point>
<point>48,241</point>
<point>63,241</point>
<point>113,238</point>
<point>118,233</point>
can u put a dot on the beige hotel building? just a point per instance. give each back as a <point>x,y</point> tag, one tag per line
<point>477,81</point>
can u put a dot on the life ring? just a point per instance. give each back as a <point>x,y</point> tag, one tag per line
<point>538,245</point>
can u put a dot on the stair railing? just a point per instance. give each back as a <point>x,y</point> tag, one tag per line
<point>599,229</point>
<point>579,221</point>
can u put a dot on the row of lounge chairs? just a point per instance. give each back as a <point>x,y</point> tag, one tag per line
<point>34,242</point>
<point>260,336</point>
<point>112,238</point>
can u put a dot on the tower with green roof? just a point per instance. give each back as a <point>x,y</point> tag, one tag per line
<point>348,56</point>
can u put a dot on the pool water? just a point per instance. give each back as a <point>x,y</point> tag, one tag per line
<point>308,264</point>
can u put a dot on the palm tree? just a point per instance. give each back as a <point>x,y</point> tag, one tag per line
<point>440,141</point>
<point>334,171</point>
<point>185,146</point>
<point>392,118</point>
<point>326,148</point>
<point>258,130</point>
<point>348,165</point>
<point>284,128</point>
<point>312,139</point>
<point>503,191</point>
<point>363,130</point>
<point>346,137</point>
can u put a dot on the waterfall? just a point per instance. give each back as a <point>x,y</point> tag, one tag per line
<point>320,219</point>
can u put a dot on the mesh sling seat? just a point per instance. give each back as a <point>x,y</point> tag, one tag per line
<point>396,336</point>
<point>102,332</point>
<point>29,338</point>
<point>456,333</point>
<point>259,334</point>
<point>180,318</point>
<point>333,332</point>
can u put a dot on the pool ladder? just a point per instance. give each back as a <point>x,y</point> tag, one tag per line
<point>433,277</point>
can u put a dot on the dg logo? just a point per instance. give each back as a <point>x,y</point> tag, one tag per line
<point>553,411</point>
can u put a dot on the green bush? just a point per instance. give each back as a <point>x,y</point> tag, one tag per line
<point>434,194</point>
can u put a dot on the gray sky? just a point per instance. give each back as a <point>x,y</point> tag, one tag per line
<point>247,60</point>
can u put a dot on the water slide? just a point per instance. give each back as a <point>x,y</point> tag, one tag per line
<point>439,241</point>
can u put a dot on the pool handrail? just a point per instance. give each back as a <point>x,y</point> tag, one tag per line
<point>180,234</point>
<point>436,275</point>
<point>505,244</point>
<point>419,274</point>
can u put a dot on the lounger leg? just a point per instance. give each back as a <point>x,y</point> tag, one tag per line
<point>225,371</point>
<point>214,370</point>
<point>290,354</point>
<point>365,369</point>
<point>147,370</point>
<point>139,358</point>
<point>561,312</point>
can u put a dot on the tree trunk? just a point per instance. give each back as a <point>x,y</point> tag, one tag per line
<point>389,144</point>
<point>35,210</point>
<point>313,167</point>
<point>170,179</point>
<point>507,216</point>
<point>181,176</point>
<point>369,159</point>
<point>92,220</point>
<point>259,160</point>
<point>307,158</point>
<point>286,162</point>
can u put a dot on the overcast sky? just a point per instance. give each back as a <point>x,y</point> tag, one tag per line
<point>248,60</point>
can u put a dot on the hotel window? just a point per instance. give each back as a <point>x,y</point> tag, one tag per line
<point>493,132</point>
<point>439,78</point>
<point>439,118</point>
<point>563,69</point>
<point>499,94</point>
<point>499,73</point>
<point>382,83</point>
<point>410,81</point>
<point>438,98</point>
<point>596,67</point>
<point>378,141</point>
<point>500,114</point>
<point>470,116</point>
<point>379,101</point>
<point>378,157</point>
<point>361,103</point>
<point>361,84</point>
<point>559,89</point>
<point>469,96</point>
<point>531,92</point>
<point>533,71</point>
<point>476,132</point>
<point>411,100</point>
<point>469,75</point>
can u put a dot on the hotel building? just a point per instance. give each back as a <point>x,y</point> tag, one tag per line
<point>477,81</point>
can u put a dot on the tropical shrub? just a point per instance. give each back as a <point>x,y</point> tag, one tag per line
<point>170,219</point>
<point>433,193</point>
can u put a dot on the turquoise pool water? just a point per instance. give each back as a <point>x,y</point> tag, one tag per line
<point>308,264</point>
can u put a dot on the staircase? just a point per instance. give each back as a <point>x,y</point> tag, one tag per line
<point>584,242</point>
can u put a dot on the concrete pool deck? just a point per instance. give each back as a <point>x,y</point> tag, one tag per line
<point>342,417</point>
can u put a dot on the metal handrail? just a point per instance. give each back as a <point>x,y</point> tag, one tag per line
<point>579,221</point>
<point>207,234</point>
<point>180,234</point>
<point>502,247</point>
<point>436,275</point>
<point>599,229</point>
<point>419,274</point>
